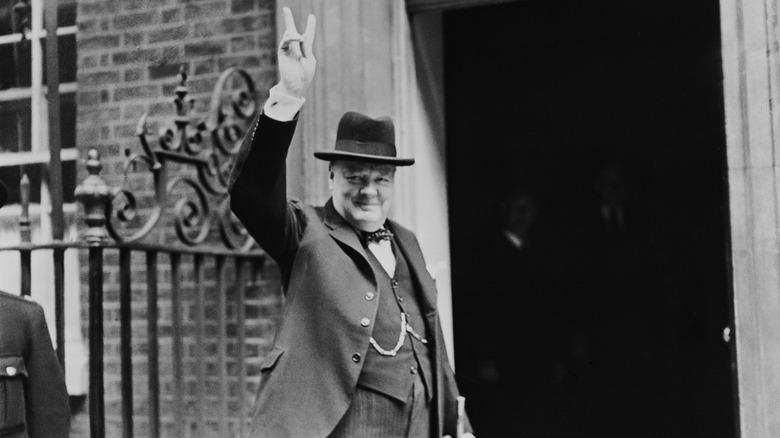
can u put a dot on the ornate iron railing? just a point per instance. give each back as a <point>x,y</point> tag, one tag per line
<point>206,234</point>
<point>207,145</point>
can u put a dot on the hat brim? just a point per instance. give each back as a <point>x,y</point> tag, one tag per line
<point>351,156</point>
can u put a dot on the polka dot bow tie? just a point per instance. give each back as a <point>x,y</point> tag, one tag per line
<point>377,236</point>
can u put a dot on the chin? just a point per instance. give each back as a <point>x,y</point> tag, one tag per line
<point>367,222</point>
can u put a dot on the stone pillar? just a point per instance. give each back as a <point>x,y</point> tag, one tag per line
<point>751,74</point>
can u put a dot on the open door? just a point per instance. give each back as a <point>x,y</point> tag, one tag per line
<point>594,132</point>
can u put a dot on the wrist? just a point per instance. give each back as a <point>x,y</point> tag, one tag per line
<point>281,89</point>
<point>281,104</point>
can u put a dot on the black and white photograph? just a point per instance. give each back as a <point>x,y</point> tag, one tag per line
<point>389,219</point>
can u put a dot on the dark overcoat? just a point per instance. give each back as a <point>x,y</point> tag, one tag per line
<point>33,398</point>
<point>310,375</point>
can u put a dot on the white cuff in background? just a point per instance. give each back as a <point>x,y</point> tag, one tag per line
<point>282,106</point>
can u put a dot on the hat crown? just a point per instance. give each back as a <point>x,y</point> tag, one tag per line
<point>362,138</point>
<point>361,128</point>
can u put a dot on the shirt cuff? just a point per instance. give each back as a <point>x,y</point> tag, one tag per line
<point>282,106</point>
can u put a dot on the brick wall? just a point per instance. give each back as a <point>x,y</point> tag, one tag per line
<point>129,54</point>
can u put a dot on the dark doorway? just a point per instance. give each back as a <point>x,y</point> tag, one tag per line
<point>596,130</point>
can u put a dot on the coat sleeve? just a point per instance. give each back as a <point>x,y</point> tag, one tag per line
<point>48,411</point>
<point>258,189</point>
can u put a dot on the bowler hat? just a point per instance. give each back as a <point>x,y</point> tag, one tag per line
<point>361,138</point>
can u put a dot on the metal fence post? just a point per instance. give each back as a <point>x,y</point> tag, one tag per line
<point>94,194</point>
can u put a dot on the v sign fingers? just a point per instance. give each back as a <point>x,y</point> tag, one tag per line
<point>291,39</point>
<point>289,22</point>
<point>295,57</point>
<point>308,36</point>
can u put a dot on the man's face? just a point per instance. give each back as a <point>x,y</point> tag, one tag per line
<point>362,192</point>
<point>611,185</point>
<point>520,213</point>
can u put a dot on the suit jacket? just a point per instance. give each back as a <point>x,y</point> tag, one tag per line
<point>33,398</point>
<point>310,375</point>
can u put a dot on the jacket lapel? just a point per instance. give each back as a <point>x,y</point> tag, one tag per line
<point>411,250</point>
<point>340,230</point>
<point>343,232</point>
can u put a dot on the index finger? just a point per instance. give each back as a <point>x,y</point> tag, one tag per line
<point>289,22</point>
<point>308,35</point>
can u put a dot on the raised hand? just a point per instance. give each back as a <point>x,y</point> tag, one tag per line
<point>296,58</point>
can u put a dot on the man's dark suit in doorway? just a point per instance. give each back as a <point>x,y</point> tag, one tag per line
<point>619,301</point>
<point>515,344</point>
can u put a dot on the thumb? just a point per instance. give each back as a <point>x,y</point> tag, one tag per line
<point>291,45</point>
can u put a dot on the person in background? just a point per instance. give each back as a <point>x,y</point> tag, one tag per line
<point>515,359</point>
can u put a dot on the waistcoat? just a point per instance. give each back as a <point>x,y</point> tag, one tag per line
<point>394,375</point>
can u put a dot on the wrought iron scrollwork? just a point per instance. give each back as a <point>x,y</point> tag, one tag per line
<point>197,195</point>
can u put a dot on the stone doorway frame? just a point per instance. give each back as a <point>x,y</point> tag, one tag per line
<point>751,87</point>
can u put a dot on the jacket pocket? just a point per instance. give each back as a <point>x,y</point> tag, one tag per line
<point>270,360</point>
<point>13,374</point>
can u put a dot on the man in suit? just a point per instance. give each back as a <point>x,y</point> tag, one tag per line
<point>517,265</point>
<point>359,352</point>
<point>33,399</point>
<point>621,302</point>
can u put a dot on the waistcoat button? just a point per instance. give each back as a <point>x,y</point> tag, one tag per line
<point>370,295</point>
<point>365,322</point>
<point>356,357</point>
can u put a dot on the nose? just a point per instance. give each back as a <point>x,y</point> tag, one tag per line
<point>368,189</point>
